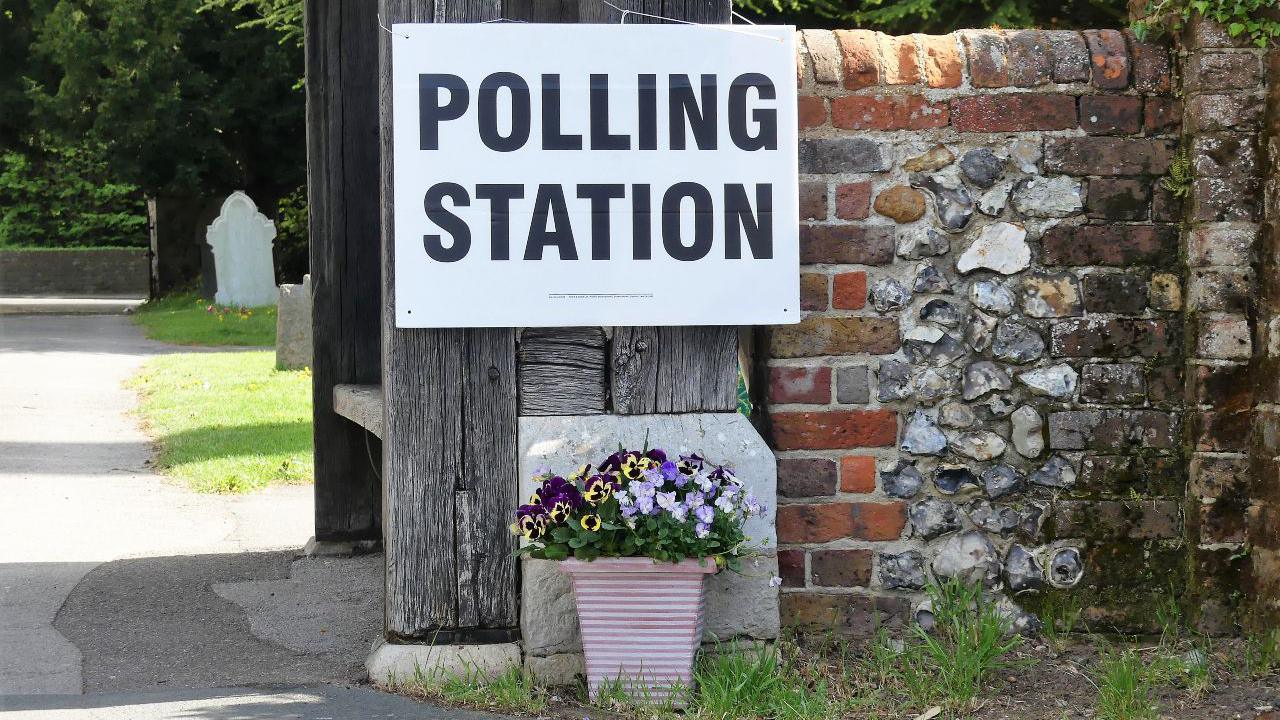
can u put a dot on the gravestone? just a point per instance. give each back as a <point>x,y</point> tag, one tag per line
<point>293,326</point>
<point>240,239</point>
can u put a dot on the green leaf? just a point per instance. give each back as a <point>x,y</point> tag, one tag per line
<point>556,552</point>
<point>1235,28</point>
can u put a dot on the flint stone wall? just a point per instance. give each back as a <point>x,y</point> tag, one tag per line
<point>988,379</point>
<point>739,606</point>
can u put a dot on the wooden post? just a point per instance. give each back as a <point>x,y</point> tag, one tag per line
<point>449,423</point>
<point>342,194</point>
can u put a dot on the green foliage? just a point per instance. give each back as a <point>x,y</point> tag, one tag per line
<point>281,16</point>
<point>1254,19</point>
<point>1261,654</point>
<point>511,692</point>
<point>1181,173</point>
<point>187,319</point>
<point>970,641</point>
<point>64,196</point>
<point>937,16</point>
<point>735,682</point>
<point>181,102</point>
<point>291,244</point>
<point>228,422</point>
<point>1126,687</point>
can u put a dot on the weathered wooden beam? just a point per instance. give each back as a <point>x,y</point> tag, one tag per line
<point>553,11</point>
<point>361,404</point>
<point>674,369</point>
<point>563,371</point>
<point>342,197</point>
<point>449,434</point>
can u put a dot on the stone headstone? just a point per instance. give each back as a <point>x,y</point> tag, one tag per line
<point>739,606</point>
<point>240,239</point>
<point>293,326</point>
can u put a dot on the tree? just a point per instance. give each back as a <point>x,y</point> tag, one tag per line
<point>181,101</point>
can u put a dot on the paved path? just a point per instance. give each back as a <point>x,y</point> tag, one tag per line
<point>115,579</point>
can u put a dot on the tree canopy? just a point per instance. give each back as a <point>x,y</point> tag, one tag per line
<point>939,16</point>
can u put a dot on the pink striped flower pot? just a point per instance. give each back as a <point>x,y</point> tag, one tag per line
<point>641,623</point>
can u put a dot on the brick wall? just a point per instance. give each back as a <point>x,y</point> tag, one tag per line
<point>82,272</point>
<point>988,378</point>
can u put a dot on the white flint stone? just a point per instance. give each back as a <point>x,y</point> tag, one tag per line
<point>969,556</point>
<point>1026,154</point>
<point>1000,246</point>
<point>1058,381</point>
<point>922,436</point>
<point>1045,197</point>
<point>992,202</point>
<point>979,445</point>
<point>241,238</point>
<point>927,334</point>
<point>991,296</point>
<point>1028,431</point>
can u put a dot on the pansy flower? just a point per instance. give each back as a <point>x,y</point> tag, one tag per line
<point>590,522</point>
<point>656,456</point>
<point>704,513</point>
<point>598,489</point>
<point>531,521</point>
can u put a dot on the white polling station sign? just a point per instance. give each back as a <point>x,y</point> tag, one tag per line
<point>551,175</point>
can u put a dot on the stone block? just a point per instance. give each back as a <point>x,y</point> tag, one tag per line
<point>393,664</point>
<point>1226,111</point>
<point>1221,244</point>
<point>1220,289</point>
<point>1222,71</point>
<point>293,326</point>
<point>853,385</point>
<point>1224,337</point>
<point>556,670</point>
<point>743,604</point>
<point>548,615</point>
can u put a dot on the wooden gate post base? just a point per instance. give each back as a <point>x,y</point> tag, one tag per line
<point>391,664</point>
<point>340,548</point>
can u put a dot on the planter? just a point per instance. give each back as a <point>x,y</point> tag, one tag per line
<point>641,623</point>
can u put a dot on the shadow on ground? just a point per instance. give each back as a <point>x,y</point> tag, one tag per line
<point>226,620</point>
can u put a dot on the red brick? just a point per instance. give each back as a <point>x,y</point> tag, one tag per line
<point>841,568</point>
<point>1111,114</point>
<point>878,521</point>
<point>819,336</point>
<point>988,57</point>
<point>853,201</point>
<point>814,523</point>
<point>834,429</point>
<point>1109,58</point>
<point>1108,155</point>
<point>1013,113</point>
<point>861,55</point>
<point>813,291</point>
<point>800,385</point>
<point>943,66</point>
<point>857,474</point>
<point>1030,58</point>
<point>1070,56</point>
<point>845,613</point>
<point>1150,66</point>
<point>849,291</point>
<point>891,112</point>
<point>806,477</point>
<point>1162,116</point>
<point>813,201</point>
<point>846,244</point>
<point>791,567</point>
<point>898,60</point>
<point>1220,522</point>
<point>812,111</point>
<point>1116,245</point>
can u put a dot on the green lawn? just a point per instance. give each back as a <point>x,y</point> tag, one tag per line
<point>228,422</point>
<point>188,319</point>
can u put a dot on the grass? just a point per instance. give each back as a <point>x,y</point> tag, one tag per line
<point>759,683</point>
<point>510,692</point>
<point>1126,688</point>
<point>228,422</point>
<point>187,319</point>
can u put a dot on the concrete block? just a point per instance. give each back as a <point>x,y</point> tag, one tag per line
<point>558,670</point>
<point>393,664</point>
